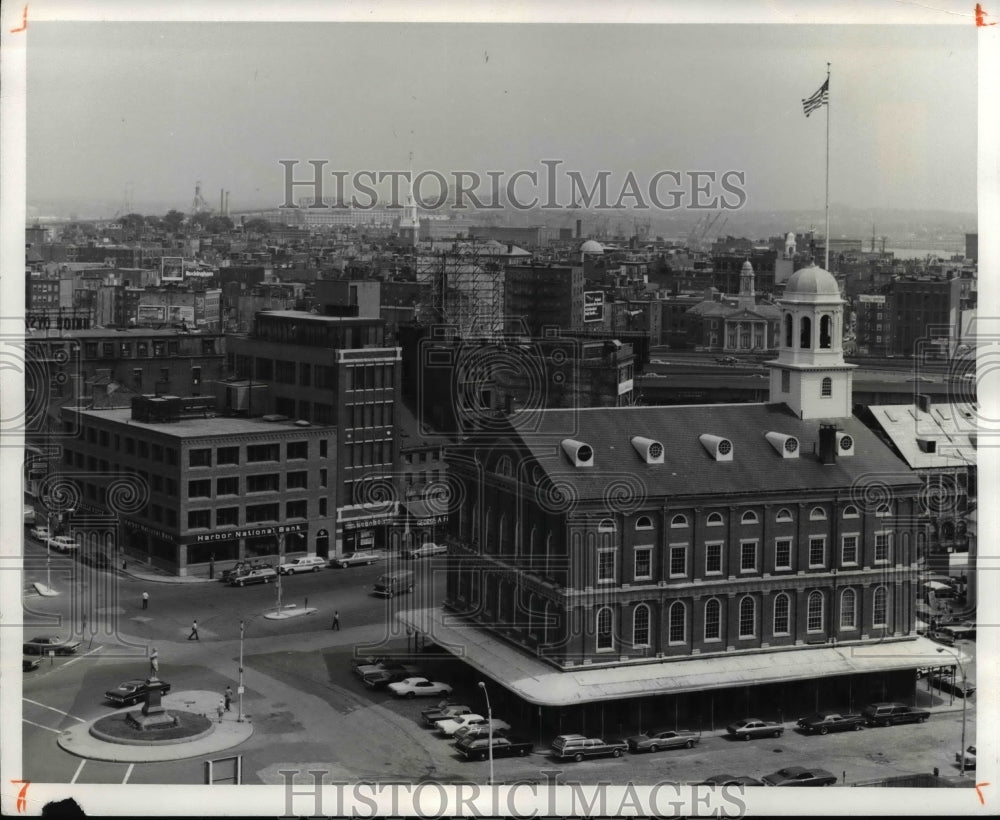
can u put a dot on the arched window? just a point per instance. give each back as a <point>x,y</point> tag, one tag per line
<point>749,517</point>
<point>814,612</point>
<point>714,520</point>
<point>883,511</point>
<point>850,511</point>
<point>788,330</point>
<point>781,610</point>
<point>713,620</point>
<point>825,334</point>
<point>607,525</point>
<point>817,514</point>
<point>605,628</point>
<point>679,521</point>
<point>677,617</point>
<point>783,516</point>
<point>644,522</point>
<point>640,626</point>
<point>880,607</point>
<point>504,467</point>
<point>805,332</point>
<point>748,617</point>
<point>848,609</point>
<point>826,387</point>
<point>606,533</point>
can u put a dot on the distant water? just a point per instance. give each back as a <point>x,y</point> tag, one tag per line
<point>914,253</point>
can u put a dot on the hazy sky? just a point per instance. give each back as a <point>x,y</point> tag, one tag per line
<point>156,107</point>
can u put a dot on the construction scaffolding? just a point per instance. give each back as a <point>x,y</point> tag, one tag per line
<point>465,288</point>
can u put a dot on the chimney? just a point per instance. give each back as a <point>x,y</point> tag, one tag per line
<point>828,443</point>
<point>924,402</point>
<point>579,228</point>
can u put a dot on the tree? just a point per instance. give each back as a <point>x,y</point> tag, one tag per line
<point>219,224</point>
<point>173,219</point>
<point>132,225</point>
<point>257,226</point>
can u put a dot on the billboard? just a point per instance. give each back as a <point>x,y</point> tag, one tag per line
<point>150,313</point>
<point>171,269</point>
<point>593,306</point>
<point>181,313</point>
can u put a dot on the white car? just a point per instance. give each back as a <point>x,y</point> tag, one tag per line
<point>63,543</point>
<point>425,550</point>
<point>500,727</point>
<point>970,758</point>
<point>305,563</point>
<point>40,533</point>
<point>414,687</point>
<point>448,726</point>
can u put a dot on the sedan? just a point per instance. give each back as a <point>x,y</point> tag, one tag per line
<point>30,664</point>
<point>500,727</point>
<point>970,758</point>
<point>947,683</point>
<point>44,644</point>
<point>448,726</point>
<point>355,558</point>
<point>414,687</point>
<point>800,776</point>
<point>754,727</point>
<point>667,739</point>
<point>304,563</point>
<point>730,780</point>
<point>40,533</point>
<point>425,550</point>
<point>824,722</point>
<point>443,712</point>
<point>133,691</point>
<point>63,543</point>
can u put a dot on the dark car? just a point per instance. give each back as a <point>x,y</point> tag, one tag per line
<point>134,691</point>
<point>730,780</point>
<point>261,575</point>
<point>577,747</point>
<point>44,644</point>
<point>823,722</point>
<point>754,727</point>
<point>947,683</point>
<point>890,714</point>
<point>443,711</point>
<point>667,739</point>
<point>30,664</point>
<point>241,568</point>
<point>378,678</point>
<point>478,747</point>
<point>800,776</point>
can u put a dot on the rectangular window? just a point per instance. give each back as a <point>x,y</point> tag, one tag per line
<point>783,553</point>
<point>227,486</point>
<point>171,456</point>
<point>262,512</point>
<point>322,478</point>
<point>786,381</point>
<point>199,519</point>
<point>200,458</point>
<point>157,453</point>
<point>322,506</point>
<point>678,561</point>
<point>305,374</point>
<point>322,448</point>
<point>298,480</point>
<point>849,549</point>
<point>266,483</point>
<point>296,509</point>
<point>605,565</point>
<point>298,449</point>
<point>227,516</point>
<point>713,559</point>
<point>817,551</point>
<point>748,556</point>
<point>263,452</point>
<point>143,449</point>
<point>200,489</point>
<point>881,547</point>
<point>195,376</point>
<point>284,371</point>
<point>643,563</point>
<point>227,455</point>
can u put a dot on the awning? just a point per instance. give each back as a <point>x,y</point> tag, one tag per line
<point>540,683</point>
<point>424,512</point>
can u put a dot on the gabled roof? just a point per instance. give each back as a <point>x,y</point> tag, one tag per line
<point>688,469</point>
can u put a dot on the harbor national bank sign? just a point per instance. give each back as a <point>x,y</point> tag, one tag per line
<point>249,532</point>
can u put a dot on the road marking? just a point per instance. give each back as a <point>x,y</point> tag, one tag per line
<point>39,725</point>
<point>52,708</point>
<point>81,657</point>
<point>128,774</point>
<point>78,770</point>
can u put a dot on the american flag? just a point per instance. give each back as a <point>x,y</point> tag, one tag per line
<point>818,99</point>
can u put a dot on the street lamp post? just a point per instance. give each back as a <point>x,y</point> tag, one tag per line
<point>965,697</point>
<point>489,727</point>
<point>240,688</point>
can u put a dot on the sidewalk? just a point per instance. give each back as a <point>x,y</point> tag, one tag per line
<point>152,575</point>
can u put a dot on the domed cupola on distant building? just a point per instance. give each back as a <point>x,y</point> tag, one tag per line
<point>748,299</point>
<point>810,374</point>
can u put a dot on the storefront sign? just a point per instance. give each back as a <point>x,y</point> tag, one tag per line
<point>248,532</point>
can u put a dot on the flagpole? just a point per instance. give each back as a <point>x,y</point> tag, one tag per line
<point>826,263</point>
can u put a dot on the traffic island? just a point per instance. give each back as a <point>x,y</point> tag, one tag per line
<point>289,611</point>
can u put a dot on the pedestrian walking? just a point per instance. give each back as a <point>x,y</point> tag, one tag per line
<point>336,621</point>
<point>154,664</point>
<point>229,697</point>
<point>194,632</point>
<point>145,600</point>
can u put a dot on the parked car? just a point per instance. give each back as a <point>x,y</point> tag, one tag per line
<point>944,638</point>
<point>30,664</point>
<point>824,722</point>
<point>418,687</point>
<point>304,563</point>
<point>947,682</point>
<point>448,726</point>
<point>577,747</point>
<point>425,550</point>
<point>890,714</point>
<point>726,360</point>
<point>390,674</point>
<point>63,543</point>
<point>500,727</point>
<point>754,727</point>
<point>355,558</point>
<point>667,739</point>
<point>241,568</point>
<point>478,748</point>
<point>134,691</point>
<point>44,644</point>
<point>969,761</point>
<point>730,780</point>
<point>40,533</point>
<point>800,776</point>
<point>395,583</point>
<point>263,575</point>
<point>443,711</point>
<point>958,631</point>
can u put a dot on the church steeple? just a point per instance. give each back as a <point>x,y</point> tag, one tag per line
<point>747,299</point>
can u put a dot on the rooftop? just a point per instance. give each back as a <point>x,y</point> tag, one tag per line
<point>952,428</point>
<point>203,427</point>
